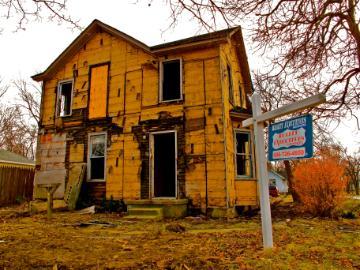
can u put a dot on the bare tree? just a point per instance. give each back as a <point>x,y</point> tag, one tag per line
<point>3,88</point>
<point>29,94</point>
<point>353,170</point>
<point>313,43</point>
<point>19,120</point>
<point>16,134</point>
<point>24,11</point>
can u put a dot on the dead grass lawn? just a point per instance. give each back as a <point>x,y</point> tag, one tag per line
<point>65,243</point>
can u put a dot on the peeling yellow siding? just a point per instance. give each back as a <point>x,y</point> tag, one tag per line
<point>126,90</point>
<point>240,192</point>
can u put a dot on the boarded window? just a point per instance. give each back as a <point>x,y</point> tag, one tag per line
<point>243,154</point>
<point>98,91</point>
<point>64,98</point>
<point>171,80</point>
<point>230,81</point>
<point>96,162</point>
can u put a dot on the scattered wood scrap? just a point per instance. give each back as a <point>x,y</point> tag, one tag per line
<point>178,228</point>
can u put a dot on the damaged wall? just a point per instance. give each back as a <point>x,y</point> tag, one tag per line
<point>201,120</point>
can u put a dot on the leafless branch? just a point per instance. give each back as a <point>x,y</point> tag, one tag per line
<point>29,95</point>
<point>25,11</point>
<point>314,43</point>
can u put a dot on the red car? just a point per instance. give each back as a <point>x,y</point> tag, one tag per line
<point>273,191</point>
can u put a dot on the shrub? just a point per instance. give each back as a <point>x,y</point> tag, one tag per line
<point>320,183</point>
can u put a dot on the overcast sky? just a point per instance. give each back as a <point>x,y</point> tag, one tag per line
<point>25,53</point>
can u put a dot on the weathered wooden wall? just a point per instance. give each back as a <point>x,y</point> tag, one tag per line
<point>50,164</point>
<point>240,191</point>
<point>16,183</point>
<point>201,118</point>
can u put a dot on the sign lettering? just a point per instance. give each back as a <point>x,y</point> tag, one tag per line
<point>291,139</point>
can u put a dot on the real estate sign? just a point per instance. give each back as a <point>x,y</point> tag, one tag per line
<point>291,139</point>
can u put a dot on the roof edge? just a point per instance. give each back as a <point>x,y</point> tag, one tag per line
<point>194,41</point>
<point>83,36</point>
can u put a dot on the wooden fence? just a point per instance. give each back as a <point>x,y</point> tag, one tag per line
<point>16,184</point>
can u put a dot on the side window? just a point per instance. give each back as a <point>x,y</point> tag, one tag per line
<point>170,87</point>
<point>244,159</point>
<point>64,98</point>
<point>96,161</point>
<point>231,87</point>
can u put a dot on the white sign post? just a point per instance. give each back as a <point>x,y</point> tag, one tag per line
<point>257,121</point>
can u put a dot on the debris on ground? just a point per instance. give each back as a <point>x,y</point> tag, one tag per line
<point>178,228</point>
<point>88,210</point>
<point>63,242</point>
<point>91,223</point>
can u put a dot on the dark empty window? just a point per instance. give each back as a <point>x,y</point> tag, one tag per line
<point>171,80</point>
<point>64,98</point>
<point>97,157</point>
<point>231,90</point>
<point>243,154</point>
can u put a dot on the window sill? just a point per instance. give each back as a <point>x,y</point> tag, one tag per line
<point>238,178</point>
<point>64,116</point>
<point>171,101</point>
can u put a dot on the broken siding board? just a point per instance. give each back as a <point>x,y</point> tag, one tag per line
<point>195,184</point>
<point>193,83</point>
<point>115,170</point>
<point>132,168</point>
<point>245,190</point>
<point>80,93</point>
<point>52,164</point>
<point>150,87</point>
<point>174,111</point>
<point>73,186</point>
<point>133,91</point>
<point>197,54</point>
<point>76,153</point>
<point>212,81</point>
<point>116,96</point>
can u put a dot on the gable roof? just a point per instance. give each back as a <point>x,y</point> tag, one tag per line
<point>209,39</point>
<point>213,36</point>
<point>10,157</point>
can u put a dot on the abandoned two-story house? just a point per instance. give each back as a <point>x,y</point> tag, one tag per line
<point>156,125</point>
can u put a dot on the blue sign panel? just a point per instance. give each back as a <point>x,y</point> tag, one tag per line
<point>291,139</point>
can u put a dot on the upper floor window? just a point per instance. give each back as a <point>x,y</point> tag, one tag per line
<point>231,87</point>
<point>171,80</point>
<point>64,98</point>
<point>244,159</point>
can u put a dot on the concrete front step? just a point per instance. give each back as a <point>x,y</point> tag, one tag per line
<point>145,212</point>
<point>171,208</point>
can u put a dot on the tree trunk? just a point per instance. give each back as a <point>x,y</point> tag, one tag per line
<point>357,188</point>
<point>290,179</point>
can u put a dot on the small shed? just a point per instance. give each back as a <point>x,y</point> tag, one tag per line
<point>276,179</point>
<point>16,178</point>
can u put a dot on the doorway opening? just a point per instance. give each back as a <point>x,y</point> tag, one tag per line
<point>163,164</point>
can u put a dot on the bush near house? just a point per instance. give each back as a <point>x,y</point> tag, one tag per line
<point>320,183</point>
